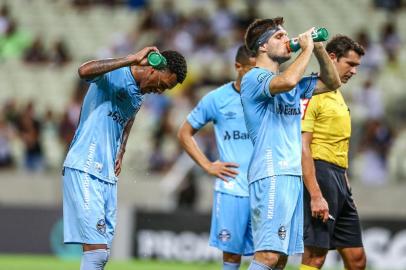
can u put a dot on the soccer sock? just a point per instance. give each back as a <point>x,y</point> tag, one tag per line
<point>108,254</point>
<point>94,259</point>
<point>306,267</point>
<point>258,266</point>
<point>231,266</point>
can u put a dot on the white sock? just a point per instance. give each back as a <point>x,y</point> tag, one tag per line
<point>94,259</point>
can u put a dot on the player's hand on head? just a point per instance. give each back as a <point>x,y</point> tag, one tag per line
<point>305,40</point>
<point>319,208</point>
<point>223,170</point>
<point>140,57</point>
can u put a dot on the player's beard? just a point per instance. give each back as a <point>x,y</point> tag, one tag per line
<point>279,59</point>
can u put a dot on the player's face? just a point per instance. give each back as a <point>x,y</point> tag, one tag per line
<point>276,47</point>
<point>159,81</point>
<point>347,65</point>
<point>243,68</point>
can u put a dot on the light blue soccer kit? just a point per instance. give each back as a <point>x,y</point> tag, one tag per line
<point>230,226</point>
<point>275,184</point>
<point>89,181</point>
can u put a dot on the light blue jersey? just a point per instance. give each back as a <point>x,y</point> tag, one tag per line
<point>112,99</point>
<point>223,107</point>
<point>273,123</point>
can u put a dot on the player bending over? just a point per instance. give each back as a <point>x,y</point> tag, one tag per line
<point>94,159</point>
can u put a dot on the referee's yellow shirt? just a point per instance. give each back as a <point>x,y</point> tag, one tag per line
<point>328,118</point>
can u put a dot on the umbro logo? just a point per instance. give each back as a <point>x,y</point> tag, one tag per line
<point>230,115</point>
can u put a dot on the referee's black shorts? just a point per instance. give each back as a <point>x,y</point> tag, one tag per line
<point>345,230</point>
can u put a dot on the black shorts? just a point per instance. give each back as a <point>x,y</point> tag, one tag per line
<point>345,230</point>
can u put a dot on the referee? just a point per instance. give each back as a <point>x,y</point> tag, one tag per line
<point>331,219</point>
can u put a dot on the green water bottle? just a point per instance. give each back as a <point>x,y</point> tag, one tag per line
<point>319,34</point>
<point>156,60</point>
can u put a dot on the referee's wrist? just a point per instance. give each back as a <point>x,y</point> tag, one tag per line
<point>316,195</point>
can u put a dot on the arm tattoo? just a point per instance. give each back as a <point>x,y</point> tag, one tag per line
<point>95,68</point>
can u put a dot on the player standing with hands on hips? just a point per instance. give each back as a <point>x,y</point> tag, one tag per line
<point>326,131</point>
<point>231,221</point>
<point>271,102</point>
<point>94,159</point>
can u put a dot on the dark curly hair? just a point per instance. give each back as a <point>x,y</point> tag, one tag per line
<point>176,63</point>
<point>340,45</point>
<point>257,28</point>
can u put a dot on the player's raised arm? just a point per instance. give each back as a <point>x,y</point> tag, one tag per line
<point>94,68</point>
<point>329,77</point>
<point>294,73</point>
<point>189,144</point>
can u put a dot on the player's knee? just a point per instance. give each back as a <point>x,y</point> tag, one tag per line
<point>358,262</point>
<point>316,262</point>
<point>314,257</point>
<point>231,257</point>
<point>282,261</point>
<point>266,257</point>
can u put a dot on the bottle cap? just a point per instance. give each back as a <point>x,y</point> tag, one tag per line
<point>156,60</point>
<point>321,34</point>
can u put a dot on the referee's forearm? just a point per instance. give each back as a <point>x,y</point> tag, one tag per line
<point>309,175</point>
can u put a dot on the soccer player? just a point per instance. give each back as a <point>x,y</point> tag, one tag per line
<point>94,159</point>
<point>326,130</point>
<point>230,225</point>
<point>271,102</point>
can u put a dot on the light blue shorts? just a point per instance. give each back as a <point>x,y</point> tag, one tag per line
<point>277,214</point>
<point>231,224</point>
<point>89,208</point>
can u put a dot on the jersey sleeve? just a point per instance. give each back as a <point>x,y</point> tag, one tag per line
<point>99,79</point>
<point>102,81</point>
<point>203,113</point>
<point>309,113</point>
<point>307,85</point>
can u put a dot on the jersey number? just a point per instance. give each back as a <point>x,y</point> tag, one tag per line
<point>304,102</point>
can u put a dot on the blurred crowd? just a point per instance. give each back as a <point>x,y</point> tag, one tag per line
<point>17,43</point>
<point>209,41</point>
<point>21,123</point>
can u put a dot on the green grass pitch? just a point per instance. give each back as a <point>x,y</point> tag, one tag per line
<point>21,262</point>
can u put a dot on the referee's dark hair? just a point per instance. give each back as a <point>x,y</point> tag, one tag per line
<point>243,55</point>
<point>340,45</point>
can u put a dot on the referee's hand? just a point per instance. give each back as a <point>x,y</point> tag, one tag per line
<point>319,208</point>
<point>222,170</point>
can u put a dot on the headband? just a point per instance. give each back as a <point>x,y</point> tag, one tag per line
<point>265,36</point>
